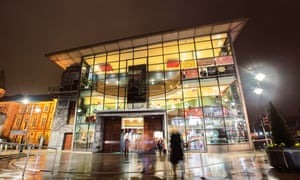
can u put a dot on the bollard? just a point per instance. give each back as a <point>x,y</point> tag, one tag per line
<point>26,162</point>
<point>5,147</point>
<point>1,147</point>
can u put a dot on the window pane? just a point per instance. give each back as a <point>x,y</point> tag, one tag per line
<point>203,45</point>
<point>170,49</point>
<point>155,60</point>
<point>126,55</point>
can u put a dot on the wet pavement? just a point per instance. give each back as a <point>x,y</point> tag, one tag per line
<point>51,164</point>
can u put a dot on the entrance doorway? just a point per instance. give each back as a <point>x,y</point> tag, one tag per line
<point>142,132</point>
<point>67,141</point>
<point>112,130</point>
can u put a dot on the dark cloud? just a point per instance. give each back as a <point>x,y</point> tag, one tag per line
<point>30,29</point>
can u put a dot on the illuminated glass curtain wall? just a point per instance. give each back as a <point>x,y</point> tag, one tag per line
<point>193,79</point>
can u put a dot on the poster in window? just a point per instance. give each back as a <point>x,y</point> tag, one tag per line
<point>136,91</point>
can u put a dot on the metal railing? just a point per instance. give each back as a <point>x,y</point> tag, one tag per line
<point>7,148</point>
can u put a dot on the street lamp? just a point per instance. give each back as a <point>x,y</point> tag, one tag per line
<point>260,77</point>
<point>258,91</point>
<point>27,121</point>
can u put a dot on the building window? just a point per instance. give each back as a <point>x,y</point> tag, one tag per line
<point>192,79</point>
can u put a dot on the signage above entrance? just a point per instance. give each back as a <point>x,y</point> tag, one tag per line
<point>132,122</point>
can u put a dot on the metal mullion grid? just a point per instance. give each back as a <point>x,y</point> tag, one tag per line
<point>118,94</point>
<point>180,70</point>
<point>164,70</point>
<point>105,77</point>
<point>89,113</point>
<point>126,87</point>
<point>218,83</point>
<point>200,96</point>
<point>240,90</point>
<point>147,79</point>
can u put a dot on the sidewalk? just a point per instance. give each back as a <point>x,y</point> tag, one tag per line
<point>49,164</point>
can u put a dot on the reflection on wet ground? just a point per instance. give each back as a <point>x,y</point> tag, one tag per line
<point>50,164</point>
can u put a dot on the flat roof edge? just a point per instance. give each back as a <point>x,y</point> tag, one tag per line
<point>232,26</point>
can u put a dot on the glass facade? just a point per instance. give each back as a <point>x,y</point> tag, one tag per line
<point>194,80</point>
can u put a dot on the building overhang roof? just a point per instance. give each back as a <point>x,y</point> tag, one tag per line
<point>67,58</point>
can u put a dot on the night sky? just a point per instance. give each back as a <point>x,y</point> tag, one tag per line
<point>268,42</point>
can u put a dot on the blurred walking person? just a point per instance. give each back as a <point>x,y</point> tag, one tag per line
<point>176,145</point>
<point>122,142</point>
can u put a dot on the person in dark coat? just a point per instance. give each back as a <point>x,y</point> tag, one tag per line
<point>176,145</point>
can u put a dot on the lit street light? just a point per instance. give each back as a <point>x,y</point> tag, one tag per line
<point>258,91</point>
<point>260,76</point>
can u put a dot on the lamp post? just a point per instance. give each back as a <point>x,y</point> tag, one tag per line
<point>27,121</point>
<point>25,102</point>
<point>258,90</point>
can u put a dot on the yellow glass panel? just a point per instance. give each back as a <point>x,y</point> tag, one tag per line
<point>112,57</point>
<point>97,100</point>
<point>218,42</point>
<point>219,36</point>
<point>156,67</point>
<point>203,45</point>
<point>123,70</point>
<point>155,51</point>
<point>89,60</point>
<point>171,57</point>
<point>187,55</point>
<point>110,99</point>
<point>188,64</point>
<point>186,47</point>
<point>126,55</point>
<point>155,60</point>
<point>157,104</point>
<point>123,64</point>
<point>170,49</point>
<point>139,54</point>
<point>86,99</point>
<point>191,84</point>
<point>121,105</point>
<point>130,63</point>
<point>110,106</point>
<point>100,59</point>
<point>190,92</point>
<point>210,91</point>
<point>204,54</point>
<point>140,61</point>
<point>177,94</point>
<point>115,65</point>
<point>218,52</point>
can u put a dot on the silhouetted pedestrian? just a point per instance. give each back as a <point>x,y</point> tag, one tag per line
<point>122,142</point>
<point>160,146</point>
<point>176,145</point>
